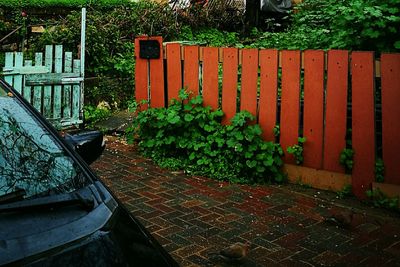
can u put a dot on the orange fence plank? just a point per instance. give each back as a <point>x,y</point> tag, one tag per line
<point>290,103</point>
<point>141,75</point>
<point>157,93</point>
<point>363,122</point>
<point>313,108</point>
<point>210,77</point>
<point>191,69</point>
<point>390,73</point>
<point>174,70</point>
<point>268,92</point>
<point>229,82</point>
<point>248,95</point>
<point>336,109</point>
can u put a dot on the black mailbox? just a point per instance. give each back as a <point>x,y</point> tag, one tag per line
<point>149,49</point>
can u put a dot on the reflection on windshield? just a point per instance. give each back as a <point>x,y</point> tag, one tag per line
<point>29,157</point>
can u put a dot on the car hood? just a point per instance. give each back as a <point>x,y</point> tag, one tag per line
<point>108,235</point>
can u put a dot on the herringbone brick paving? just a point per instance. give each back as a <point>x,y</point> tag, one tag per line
<point>194,217</point>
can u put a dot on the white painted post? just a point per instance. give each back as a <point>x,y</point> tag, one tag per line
<point>83,35</point>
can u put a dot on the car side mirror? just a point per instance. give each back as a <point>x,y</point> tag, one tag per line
<point>88,144</point>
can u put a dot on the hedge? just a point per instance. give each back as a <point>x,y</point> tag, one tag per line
<point>61,3</point>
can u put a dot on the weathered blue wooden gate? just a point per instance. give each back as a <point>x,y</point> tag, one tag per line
<point>52,82</point>
<point>52,86</point>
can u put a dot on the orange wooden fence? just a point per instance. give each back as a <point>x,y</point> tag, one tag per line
<point>316,94</point>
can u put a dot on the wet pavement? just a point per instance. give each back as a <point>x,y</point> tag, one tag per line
<point>195,217</point>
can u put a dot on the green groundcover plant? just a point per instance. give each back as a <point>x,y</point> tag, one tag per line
<point>189,136</point>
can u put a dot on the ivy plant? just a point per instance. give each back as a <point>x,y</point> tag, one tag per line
<point>346,159</point>
<point>379,171</point>
<point>186,135</point>
<point>345,192</point>
<point>381,200</point>
<point>297,150</point>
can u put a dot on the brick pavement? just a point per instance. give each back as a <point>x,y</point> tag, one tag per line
<point>194,217</point>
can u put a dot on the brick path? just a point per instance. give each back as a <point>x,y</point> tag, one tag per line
<point>195,217</point>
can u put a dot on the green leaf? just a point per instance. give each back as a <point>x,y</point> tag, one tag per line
<point>269,162</point>
<point>248,155</point>
<point>188,117</point>
<point>192,156</point>
<point>251,163</point>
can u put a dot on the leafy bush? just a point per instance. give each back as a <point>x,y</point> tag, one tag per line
<point>59,3</point>
<point>210,37</point>
<point>381,200</point>
<point>324,24</point>
<point>110,48</point>
<point>192,138</point>
<point>297,150</point>
<point>94,114</point>
<point>379,171</point>
<point>219,14</point>
<point>346,191</point>
<point>346,159</point>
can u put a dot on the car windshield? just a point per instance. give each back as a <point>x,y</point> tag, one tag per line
<point>31,160</point>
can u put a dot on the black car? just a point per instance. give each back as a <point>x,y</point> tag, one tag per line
<point>54,211</point>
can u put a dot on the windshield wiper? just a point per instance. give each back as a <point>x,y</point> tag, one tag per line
<point>82,198</point>
<point>13,196</point>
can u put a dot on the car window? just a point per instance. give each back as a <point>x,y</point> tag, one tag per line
<point>30,158</point>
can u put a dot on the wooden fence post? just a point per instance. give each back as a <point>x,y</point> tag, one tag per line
<point>268,102</point>
<point>390,73</point>
<point>229,83</point>
<point>191,69</point>
<point>336,109</point>
<point>363,121</point>
<point>210,77</point>
<point>290,103</point>
<point>313,108</point>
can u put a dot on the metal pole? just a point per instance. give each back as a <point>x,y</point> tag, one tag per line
<point>82,52</point>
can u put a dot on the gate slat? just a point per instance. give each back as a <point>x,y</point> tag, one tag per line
<point>210,77</point>
<point>19,59</point>
<point>290,103</point>
<point>248,96</point>
<point>336,109</point>
<point>9,64</point>
<point>157,93</point>
<point>174,70</point>
<point>313,108</point>
<point>268,92</point>
<point>363,121</point>
<point>76,92</point>
<point>67,88</point>
<point>37,90</point>
<point>27,90</point>
<point>141,76</point>
<point>47,103</point>
<point>58,62</point>
<point>191,69</point>
<point>229,83</point>
<point>390,73</point>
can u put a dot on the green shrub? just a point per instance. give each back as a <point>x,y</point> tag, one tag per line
<point>109,44</point>
<point>210,37</point>
<point>192,137</point>
<point>94,114</point>
<point>60,3</point>
<point>346,191</point>
<point>381,200</point>
<point>346,159</point>
<point>379,171</point>
<point>323,24</point>
<point>297,150</point>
